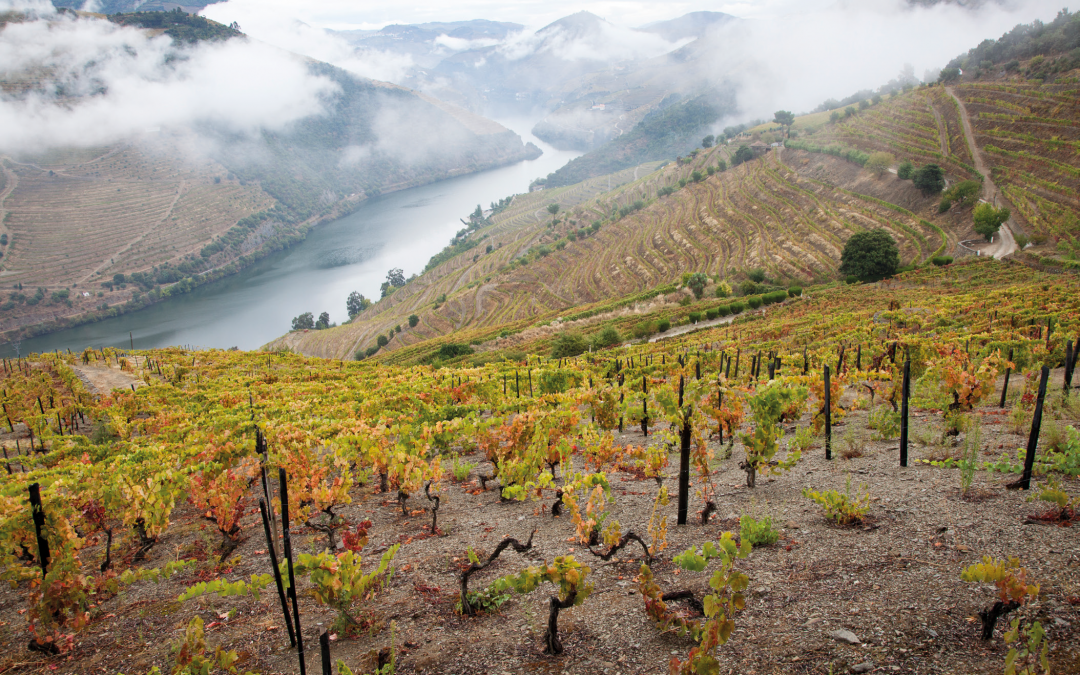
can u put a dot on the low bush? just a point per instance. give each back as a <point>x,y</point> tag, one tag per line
<point>940,260</point>
<point>794,291</point>
<point>711,314</point>
<point>737,307</point>
<point>662,325</point>
<point>723,310</point>
<point>757,532</point>
<point>754,301</point>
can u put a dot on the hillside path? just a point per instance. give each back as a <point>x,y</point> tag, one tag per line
<point>1005,243</point>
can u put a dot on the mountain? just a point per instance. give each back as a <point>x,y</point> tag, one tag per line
<point>692,25</point>
<point>138,211</point>
<point>124,6</point>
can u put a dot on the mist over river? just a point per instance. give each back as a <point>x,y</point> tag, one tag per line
<point>247,310</point>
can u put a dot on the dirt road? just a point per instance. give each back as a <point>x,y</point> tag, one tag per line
<point>1004,243</point>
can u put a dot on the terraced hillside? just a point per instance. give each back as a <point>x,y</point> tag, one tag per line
<point>120,212</point>
<point>1029,134</point>
<point>787,213</point>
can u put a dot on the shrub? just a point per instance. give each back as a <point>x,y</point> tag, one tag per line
<point>685,301</point>
<point>737,307</point>
<point>757,275</point>
<point>723,310</point>
<point>663,325</point>
<point>794,291</point>
<point>608,337</point>
<point>944,205</point>
<point>879,163</point>
<point>453,350</point>
<point>748,287</point>
<point>642,329</point>
<point>905,170</point>
<point>851,279</point>
<point>711,314</point>
<point>382,340</point>
<point>694,317</point>
<point>570,343</point>
<point>413,320</point>
<point>757,532</point>
<point>966,192</point>
<point>723,289</point>
<point>941,260</point>
<point>754,301</point>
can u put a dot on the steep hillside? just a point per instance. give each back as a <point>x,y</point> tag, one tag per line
<point>182,205</point>
<point>787,213</point>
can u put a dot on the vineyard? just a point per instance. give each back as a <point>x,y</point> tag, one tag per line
<point>1030,136</point>
<point>787,213</point>
<point>818,486</point>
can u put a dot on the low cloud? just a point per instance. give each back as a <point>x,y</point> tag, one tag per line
<point>797,60</point>
<point>107,83</point>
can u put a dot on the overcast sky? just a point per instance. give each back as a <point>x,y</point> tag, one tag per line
<point>345,14</point>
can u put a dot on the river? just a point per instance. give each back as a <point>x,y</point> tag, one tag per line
<point>247,310</point>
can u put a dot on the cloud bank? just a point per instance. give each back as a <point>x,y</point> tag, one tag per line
<point>104,83</point>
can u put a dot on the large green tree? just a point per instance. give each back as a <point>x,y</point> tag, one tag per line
<point>784,118</point>
<point>988,220</point>
<point>870,255</point>
<point>930,179</point>
<point>743,154</point>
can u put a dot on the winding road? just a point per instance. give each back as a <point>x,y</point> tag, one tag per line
<point>1004,244</point>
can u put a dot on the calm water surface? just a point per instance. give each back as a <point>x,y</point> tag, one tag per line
<point>247,310</point>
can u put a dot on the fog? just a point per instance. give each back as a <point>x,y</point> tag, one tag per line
<point>784,54</point>
<point>797,60</point>
<point>108,83</point>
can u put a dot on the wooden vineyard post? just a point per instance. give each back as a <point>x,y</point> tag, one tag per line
<point>858,357</point>
<point>1033,439</point>
<point>738,355</point>
<point>132,338</point>
<point>905,392</point>
<point>719,405</point>
<point>38,513</point>
<point>530,384</point>
<point>1067,380</point>
<point>517,384</point>
<point>621,394</point>
<point>645,407</point>
<point>324,649</point>
<point>684,460</point>
<point>697,370</point>
<point>277,570</point>
<point>283,483</point>
<point>504,384</point>
<point>1005,386</point>
<point>772,369</point>
<point>828,416</point>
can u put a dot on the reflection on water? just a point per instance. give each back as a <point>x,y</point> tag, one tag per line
<point>247,310</point>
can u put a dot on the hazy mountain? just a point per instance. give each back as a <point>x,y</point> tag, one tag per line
<point>692,25</point>
<point>122,6</point>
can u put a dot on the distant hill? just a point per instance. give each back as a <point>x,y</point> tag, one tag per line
<point>123,6</point>
<point>665,133</point>
<point>173,208</point>
<point>692,25</point>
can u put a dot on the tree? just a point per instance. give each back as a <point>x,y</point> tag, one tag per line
<point>949,75</point>
<point>553,209</point>
<point>849,111</point>
<point>303,322</point>
<point>870,255</point>
<point>784,118</point>
<point>708,141</point>
<point>743,154</point>
<point>834,116</point>
<point>323,322</point>
<point>879,163</point>
<point>930,179</point>
<point>697,283</point>
<point>905,170</point>
<point>395,277</point>
<point>382,340</point>
<point>356,303</point>
<point>988,220</point>
<point>413,320</point>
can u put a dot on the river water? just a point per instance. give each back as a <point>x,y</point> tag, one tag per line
<point>247,310</point>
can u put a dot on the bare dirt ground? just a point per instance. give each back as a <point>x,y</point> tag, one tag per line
<point>99,379</point>
<point>893,580</point>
